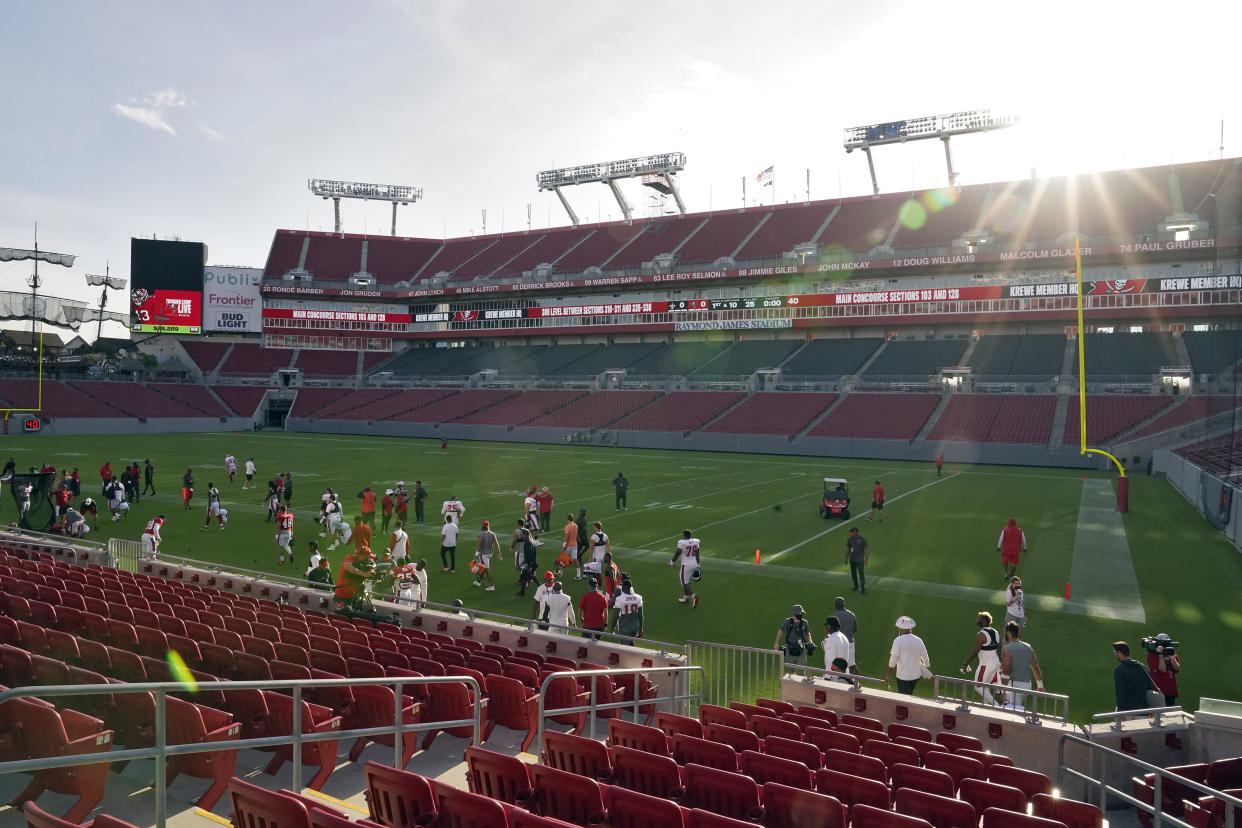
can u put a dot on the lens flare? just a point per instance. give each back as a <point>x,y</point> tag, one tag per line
<point>937,200</point>
<point>181,671</point>
<point>912,215</point>
<point>836,262</point>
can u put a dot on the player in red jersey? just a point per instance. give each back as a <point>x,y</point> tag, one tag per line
<point>151,537</point>
<point>284,533</point>
<point>877,501</point>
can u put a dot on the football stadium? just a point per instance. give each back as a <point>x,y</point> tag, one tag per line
<point>896,508</point>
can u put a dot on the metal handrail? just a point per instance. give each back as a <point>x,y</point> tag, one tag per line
<point>810,674</point>
<point>1058,701</point>
<point>1232,803</point>
<point>1155,712</point>
<point>596,706</point>
<point>62,540</point>
<point>161,749</point>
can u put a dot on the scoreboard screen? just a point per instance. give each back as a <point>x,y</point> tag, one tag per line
<point>746,303</point>
<point>166,286</point>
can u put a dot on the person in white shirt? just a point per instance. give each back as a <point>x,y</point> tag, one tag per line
<point>453,509</point>
<point>399,542</point>
<point>688,552</point>
<point>406,582</point>
<point>76,523</point>
<point>541,595</point>
<point>560,609</point>
<point>249,474</point>
<point>908,656</point>
<point>230,466</point>
<point>313,557</point>
<point>448,544</point>
<point>151,537</point>
<point>334,519</point>
<point>420,587</point>
<point>987,647</point>
<point>1014,603</point>
<point>627,614</point>
<point>835,645</point>
<point>531,509</point>
<point>599,544</point>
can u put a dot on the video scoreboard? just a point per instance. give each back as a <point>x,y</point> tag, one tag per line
<point>166,286</point>
<point>747,303</point>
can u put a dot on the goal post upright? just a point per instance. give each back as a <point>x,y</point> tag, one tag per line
<point>1123,482</point>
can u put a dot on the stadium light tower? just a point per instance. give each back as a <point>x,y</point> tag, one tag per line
<point>943,127</point>
<point>656,171</point>
<point>336,190</point>
<point>108,281</point>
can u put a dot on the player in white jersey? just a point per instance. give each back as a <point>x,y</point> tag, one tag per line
<point>531,508</point>
<point>230,466</point>
<point>406,580</point>
<point>627,614</point>
<point>284,533</point>
<point>76,523</point>
<point>151,537</point>
<point>249,474</point>
<point>987,647</point>
<point>453,507</point>
<point>399,542</point>
<point>688,553</point>
<point>116,500</point>
<point>333,518</point>
<point>599,545</point>
<point>214,510</point>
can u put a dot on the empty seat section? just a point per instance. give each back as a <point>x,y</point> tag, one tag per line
<point>310,400</point>
<point>1191,411</point>
<point>1030,211</point>
<point>327,363</point>
<point>284,255</point>
<point>58,399</point>
<point>788,226</point>
<point>332,258</point>
<point>934,218</point>
<point>543,362</point>
<point>1031,357</point>
<point>744,358</point>
<point>451,408</point>
<point>547,249</point>
<point>206,354</point>
<point>495,256</point>
<point>1109,416</point>
<point>610,358</point>
<point>372,360</point>
<point>1114,207</point>
<point>1132,355</point>
<point>455,253</point>
<point>680,411</point>
<point>773,413</point>
<point>195,396</point>
<point>484,358</point>
<point>350,401</point>
<point>1212,352</point>
<point>916,358</point>
<point>249,358</point>
<point>134,399</point>
<point>526,406</point>
<point>829,358</point>
<point>678,359</point>
<point>595,410</point>
<point>597,249</point>
<point>878,416</point>
<point>861,223</point>
<point>996,418</point>
<point>394,405</point>
<point>243,399</point>
<point>392,260</point>
<point>660,236</point>
<point>425,362</point>
<point>719,237</point>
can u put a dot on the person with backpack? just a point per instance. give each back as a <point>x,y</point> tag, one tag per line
<point>794,637</point>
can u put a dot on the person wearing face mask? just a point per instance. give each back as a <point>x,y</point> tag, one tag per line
<point>794,637</point>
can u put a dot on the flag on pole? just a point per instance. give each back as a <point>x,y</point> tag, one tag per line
<point>766,177</point>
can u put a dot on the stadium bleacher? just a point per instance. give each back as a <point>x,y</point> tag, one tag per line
<point>57,400</point>
<point>830,358</point>
<point>783,413</point>
<point>428,361</point>
<point>497,255</point>
<point>396,260</point>
<point>744,358</point>
<point>284,254</point>
<point>996,418</point>
<point>1212,352</point>
<point>250,358</point>
<point>195,396</point>
<point>311,400</point>
<point>243,399</point>
<point>1220,455</point>
<point>937,216</point>
<point>447,409</point>
<point>660,236</point>
<point>546,249</point>
<point>334,258</point>
<point>678,359</point>
<point>206,354</point>
<point>326,363</point>
<point>1110,416</point>
<point>680,411</point>
<point>915,358</point>
<point>614,357</point>
<point>1194,409</point>
<point>787,227</point>
<point>861,223</point>
<point>722,234</point>
<point>1032,356</point>
<point>374,405</point>
<point>595,410</point>
<point>878,416</point>
<point>135,399</point>
<point>597,250</point>
<point>522,408</point>
<point>1137,355</point>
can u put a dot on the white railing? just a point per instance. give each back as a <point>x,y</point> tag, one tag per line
<point>1035,705</point>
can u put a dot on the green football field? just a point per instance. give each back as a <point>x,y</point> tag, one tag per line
<point>1159,568</point>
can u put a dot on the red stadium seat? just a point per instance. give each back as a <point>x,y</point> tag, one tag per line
<point>254,806</point>
<point>922,746</point>
<point>922,779</point>
<point>764,768</point>
<point>16,668</point>
<point>827,740</point>
<point>315,719</point>
<point>891,753</point>
<point>896,729</point>
<point>36,817</point>
<point>1029,782</point>
<point>940,811</point>
<point>373,706</point>
<point>46,733</point>
<point>984,795</point>
<point>747,710</point>
<point>688,750</point>
<point>988,759</point>
<point>462,808</point>
<point>721,792</point>
<point>775,705</point>
<point>1000,818</point>
<point>672,724</point>
<point>958,767</point>
<point>715,714</point>
<point>646,690</point>
<point>804,722</point>
<point>566,796</point>
<point>865,722</point>
<point>575,754</point>
<point>638,737</point>
<point>630,809</point>
<point>765,726</point>
<point>852,790</point>
<point>866,816</point>
<point>797,808</point>
<point>699,818</point>
<point>511,704</point>
<point>645,772</point>
<point>867,767</point>
<point>449,702</point>
<point>249,709</point>
<point>563,693</point>
<point>1074,814</point>
<point>803,752</point>
<point>498,776</point>
<point>397,798</point>
<point>734,737</point>
<point>190,723</point>
<point>862,734</point>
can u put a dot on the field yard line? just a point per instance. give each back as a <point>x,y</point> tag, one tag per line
<point>804,575</point>
<point>800,544</point>
<point>1102,572</point>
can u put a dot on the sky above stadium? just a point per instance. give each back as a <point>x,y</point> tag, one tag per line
<point>204,121</point>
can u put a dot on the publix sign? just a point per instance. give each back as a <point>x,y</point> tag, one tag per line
<point>231,300</point>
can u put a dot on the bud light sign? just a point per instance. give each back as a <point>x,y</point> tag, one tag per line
<point>231,300</point>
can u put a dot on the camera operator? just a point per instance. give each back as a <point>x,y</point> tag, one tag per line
<point>356,570</point>
<point>1164,665</point>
